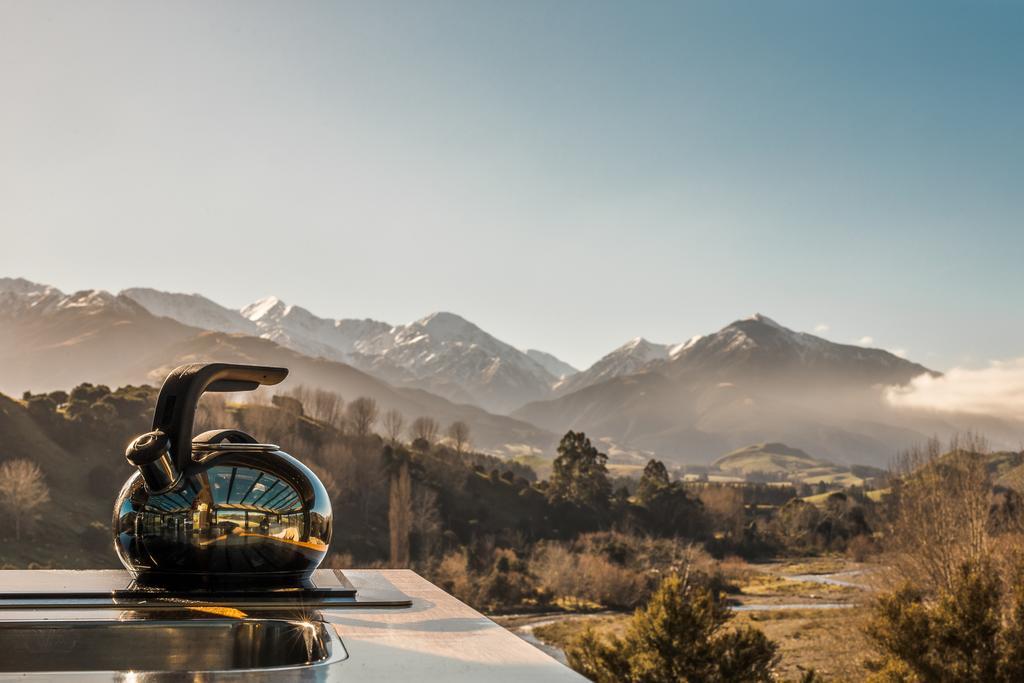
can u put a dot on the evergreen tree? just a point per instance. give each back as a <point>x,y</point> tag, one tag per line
<point>972,631</point>
<point>679,635</point>
<point>396,464</point>
<point>579,473</point>
<point>654,479</point>
<point>671,511</point>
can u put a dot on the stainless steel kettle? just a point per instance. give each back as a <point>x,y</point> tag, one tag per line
<point>218,508</point>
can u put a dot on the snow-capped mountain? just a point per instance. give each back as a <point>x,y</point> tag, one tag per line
<point>760,348</point>
<point>442,352</point>
<point>556,366</point>
<point>629,358</point>
<point>18,295</point>
<point>753,377</point>
<point>191,309</point>
<point>755,346</point>
<point>297,328</point>
<point>19,286</point>
<point>445,345</point>
<point>752,381</point>
<point>51,340</point>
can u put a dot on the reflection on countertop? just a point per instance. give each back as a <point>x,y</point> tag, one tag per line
<point>434,637</point>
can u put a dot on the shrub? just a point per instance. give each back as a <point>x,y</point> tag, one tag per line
<point>972,631</point>
<point>506,584</point>
<point>679,636</point>
<point>610,584</point>
<point>586,577</point>
<point>454,577</point>
<point>613,569</point>
<point>860,548</point>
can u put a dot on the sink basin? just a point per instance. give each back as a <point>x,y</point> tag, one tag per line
<point>200,645</point>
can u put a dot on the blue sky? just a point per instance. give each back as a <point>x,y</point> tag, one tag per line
<point>565,174</point>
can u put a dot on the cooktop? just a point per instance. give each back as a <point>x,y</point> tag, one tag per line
<point>40,589</point>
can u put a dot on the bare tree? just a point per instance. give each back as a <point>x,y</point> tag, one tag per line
<point>944,503</point>
<point>321,405</point>
<point>362,483</point>
<point>426,521</point>
<point>458,432</point>
<point>328,407</point>
<point>212,412</point>
<point>22,490</point>
<point>425,428</point>
<point>394,423</point>
<point>362,415</point>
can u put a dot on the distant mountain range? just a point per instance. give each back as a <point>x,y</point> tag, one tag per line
<point>442,352</point>
<point>50,340</point>
<point>752,381</point>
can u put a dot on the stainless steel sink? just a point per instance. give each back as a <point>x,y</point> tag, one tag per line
<point>201,645</point>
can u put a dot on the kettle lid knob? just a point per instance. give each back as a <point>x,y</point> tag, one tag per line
<point>151,453</point>
<point>147,447</point>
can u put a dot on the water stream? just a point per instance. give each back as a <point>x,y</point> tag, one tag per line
<point>525,630</point>
<point>832,579</point>
<point>526,633</point>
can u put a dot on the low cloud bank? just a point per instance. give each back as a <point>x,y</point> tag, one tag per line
<point>997,390</point>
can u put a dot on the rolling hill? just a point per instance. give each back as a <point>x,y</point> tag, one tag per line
<point>767,459</point>
<point>776,462</point>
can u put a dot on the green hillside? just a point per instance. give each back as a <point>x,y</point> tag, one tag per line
<point>80,450</point>
<point>77,439</point>
<point>767,459</point>
<point>779,462</point>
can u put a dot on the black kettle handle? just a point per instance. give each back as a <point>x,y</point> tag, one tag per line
<point>179,395</point>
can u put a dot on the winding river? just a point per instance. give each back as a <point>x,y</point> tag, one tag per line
<point>524,628</point>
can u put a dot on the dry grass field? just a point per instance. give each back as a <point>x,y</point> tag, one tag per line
<point>800,615</point>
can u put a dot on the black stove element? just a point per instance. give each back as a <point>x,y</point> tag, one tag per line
<point>326,588</point>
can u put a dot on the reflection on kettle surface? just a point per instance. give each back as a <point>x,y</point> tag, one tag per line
<point>234,517</point>
<point>220,507</point>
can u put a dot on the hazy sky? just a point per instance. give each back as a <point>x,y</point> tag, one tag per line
<point>565,174</point>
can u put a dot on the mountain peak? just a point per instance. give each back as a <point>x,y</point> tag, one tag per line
<point>94,300</point>
<point>633,356</point>
<point>761,318</point>
<point>88,298</point>
<point>263,307</point>
<point>641,346</point>
<point>19,285</point>
<point>444,326</point>
<point>443,319</point>
<point>191,309</point>
<point>760,330</point>
<point>759,348</point>
<point>679,348</point>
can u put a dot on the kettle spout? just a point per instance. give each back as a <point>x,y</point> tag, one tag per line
<point>151,453</point>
